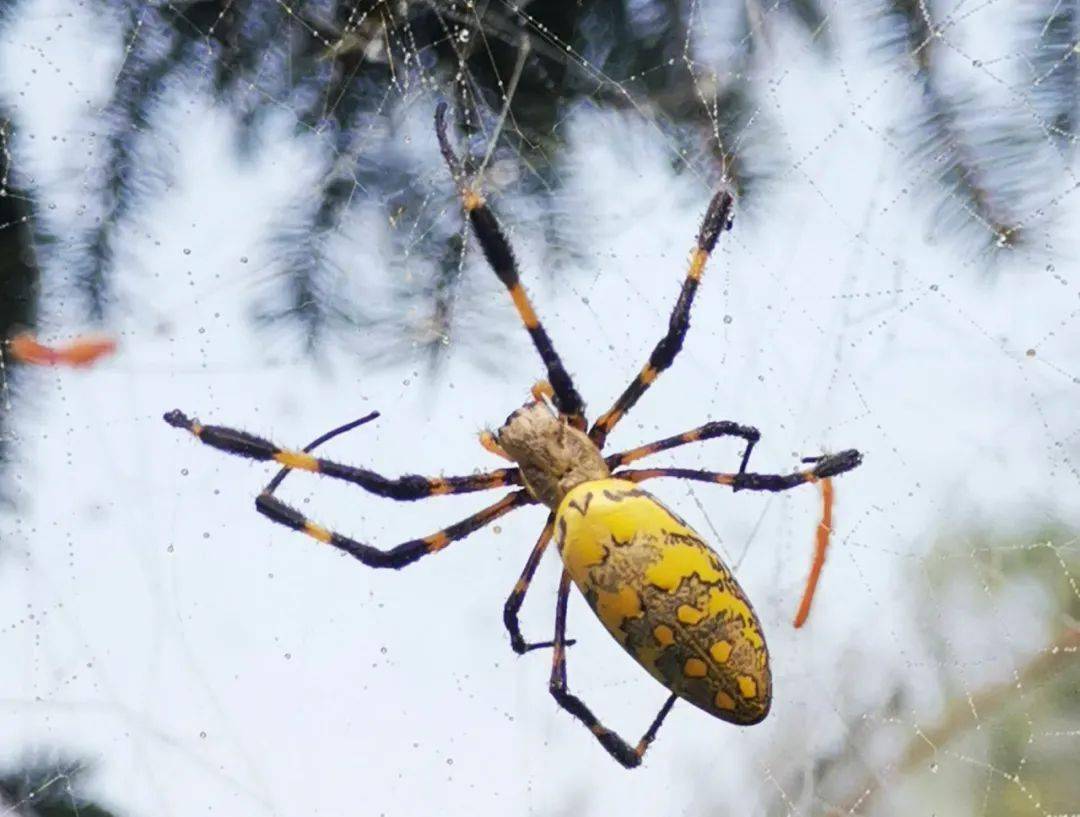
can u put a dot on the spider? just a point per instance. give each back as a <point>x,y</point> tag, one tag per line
<point>660,591</point>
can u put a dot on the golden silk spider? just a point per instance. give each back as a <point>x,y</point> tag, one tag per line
<point>660,591</point>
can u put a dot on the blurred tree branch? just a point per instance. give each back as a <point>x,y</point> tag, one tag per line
<point>350,70</point>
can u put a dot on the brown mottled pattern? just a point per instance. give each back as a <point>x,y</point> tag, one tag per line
<point>627,532</point>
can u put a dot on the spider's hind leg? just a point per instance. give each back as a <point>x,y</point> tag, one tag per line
<point>629,756</point>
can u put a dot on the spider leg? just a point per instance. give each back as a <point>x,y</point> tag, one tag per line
<point>717,219</point>
<point>273,484</point>
<point>629,756</point>
<point>828,466</point>
<point>500,256</point>
<point>406,488</point>
<point>400,555</point>
<point>719,428</point>
<point>517,595</point>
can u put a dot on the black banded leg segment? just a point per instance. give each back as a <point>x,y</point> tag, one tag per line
<point>517,595</point>
<point>279,477</point>
<point>828,466</point>
<point>629,756</point>
<point>396,557</point>
<point>717,219</point>
<point>500,256</point>
<point>406,488</point>
<point>709,431</point>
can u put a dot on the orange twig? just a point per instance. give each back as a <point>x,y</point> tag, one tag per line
<point>82,351</point>
<point>820,546</point>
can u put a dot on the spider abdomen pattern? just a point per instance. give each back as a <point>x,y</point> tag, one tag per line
<point>667,597</point>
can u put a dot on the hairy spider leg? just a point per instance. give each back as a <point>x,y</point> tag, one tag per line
<point>273,484</point>
<point>717,219</point>
<point>629,756</point>
<point>500,256</point>
<point>708,431</point>
<point>517,595</point>
<point>406,488</point>
<point>828,466</point>
<point>400,555</point>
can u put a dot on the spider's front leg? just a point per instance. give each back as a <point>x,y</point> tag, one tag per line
<point>717,219</point>
<point>234,441</point>
<point>406,488</point>
<point>500,257</point>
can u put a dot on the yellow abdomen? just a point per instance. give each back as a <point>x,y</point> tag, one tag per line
<point>666,597</point>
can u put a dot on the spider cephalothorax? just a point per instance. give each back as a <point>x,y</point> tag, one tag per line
<point>554,457</point>
<point>658,588</point>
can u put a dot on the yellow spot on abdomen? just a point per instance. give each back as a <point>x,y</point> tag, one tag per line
<point>724,701</point>
<point>298,460</point>
<point>614,608</point>
<point>720,651</point>
<point>734,607</point>
<point>689,615</point>
<point>747,686</point>
<point>695,668</point>
<point>663,635</point>
<point>678,562</point>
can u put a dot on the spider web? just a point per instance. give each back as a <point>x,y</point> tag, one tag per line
<point>248,195</point>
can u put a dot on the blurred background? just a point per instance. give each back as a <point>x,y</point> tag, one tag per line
<point>248,197</point>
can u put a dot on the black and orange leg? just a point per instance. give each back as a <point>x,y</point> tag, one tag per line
<point>273,484</point>
<point>629,756</point>
<point>396,557</point>
<point>408,487</point>
<point>500,257</point>
<point>517,595</point>
<point>827,466</point>
<point>717,219</point>
<point>709,431</point>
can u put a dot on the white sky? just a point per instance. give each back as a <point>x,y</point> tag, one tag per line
<point>208,661</point>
